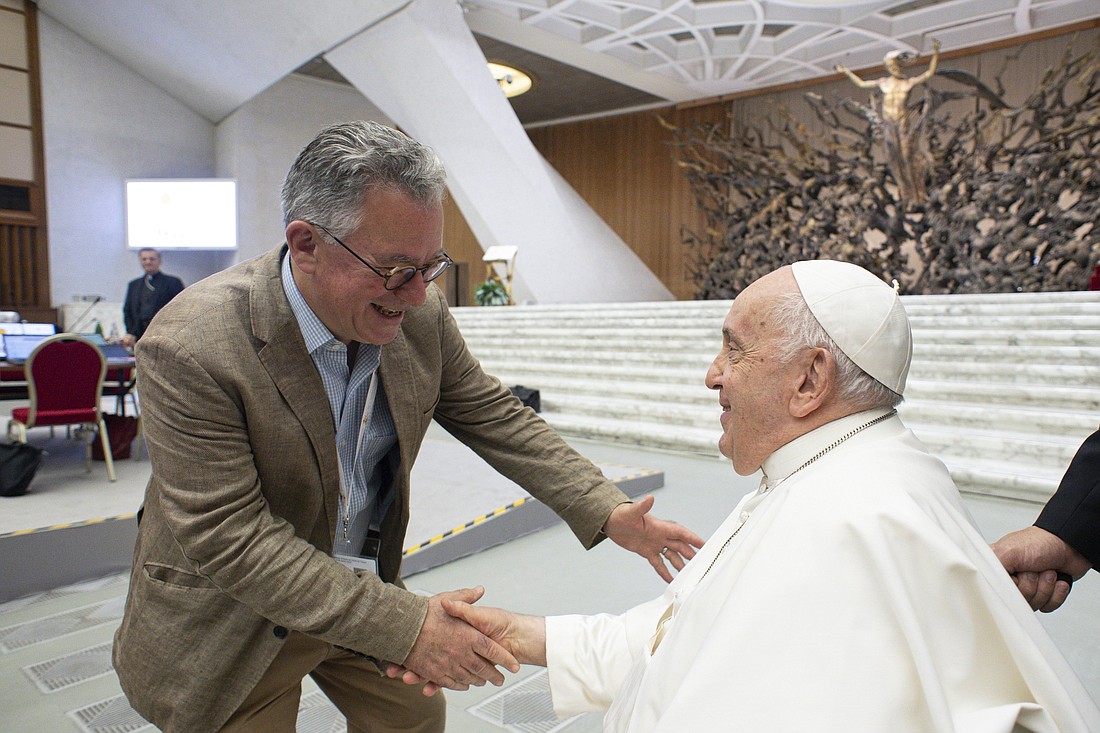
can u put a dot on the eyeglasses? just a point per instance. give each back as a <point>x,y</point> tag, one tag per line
<point>400,275</point>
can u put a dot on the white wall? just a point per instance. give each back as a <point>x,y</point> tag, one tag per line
<point>258,142</point>
<point>103,123</point>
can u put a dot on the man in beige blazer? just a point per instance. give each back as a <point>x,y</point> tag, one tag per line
<point>235,593</point>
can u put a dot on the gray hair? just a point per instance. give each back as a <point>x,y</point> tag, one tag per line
<point>800,331</point>
<point>333,173</point>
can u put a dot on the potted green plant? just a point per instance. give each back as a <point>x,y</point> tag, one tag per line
<point>491,292</point>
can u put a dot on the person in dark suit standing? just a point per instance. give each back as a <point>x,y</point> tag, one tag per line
<point>1064,542</point>
<point>146,295</point>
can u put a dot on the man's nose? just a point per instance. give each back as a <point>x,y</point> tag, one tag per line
<point>414,292</point>
<point>714,373</point>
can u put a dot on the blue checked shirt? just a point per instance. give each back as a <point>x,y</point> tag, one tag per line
<point>361,481</point>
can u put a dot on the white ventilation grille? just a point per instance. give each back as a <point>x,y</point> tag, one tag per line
<point>524,707</point>
<point>113,715</point>
<point>71,669</point>
<point>61,624</point>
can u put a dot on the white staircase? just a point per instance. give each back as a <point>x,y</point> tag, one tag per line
<point>1003,388</point>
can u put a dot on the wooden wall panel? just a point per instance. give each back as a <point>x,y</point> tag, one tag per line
<point>623,166</point>
<point>625,169</point>
<point>24,249</point>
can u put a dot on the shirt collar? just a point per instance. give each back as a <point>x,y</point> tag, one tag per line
<point>784,461</point>
<point>315,333</point>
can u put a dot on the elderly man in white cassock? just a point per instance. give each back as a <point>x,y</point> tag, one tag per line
<point>850,592</point>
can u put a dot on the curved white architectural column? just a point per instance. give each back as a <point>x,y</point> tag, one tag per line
<point>422,67</point>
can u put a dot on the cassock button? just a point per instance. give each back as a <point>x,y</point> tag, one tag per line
<point>280,632</point>
<point>744,516</point>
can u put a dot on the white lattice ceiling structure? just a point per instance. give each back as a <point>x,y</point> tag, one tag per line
<point>703,48</point>
<point>214,55</point>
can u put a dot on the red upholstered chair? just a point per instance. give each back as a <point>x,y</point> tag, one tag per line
<point>65,382</point>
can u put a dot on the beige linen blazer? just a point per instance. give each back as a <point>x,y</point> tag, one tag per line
<point>234,543</point>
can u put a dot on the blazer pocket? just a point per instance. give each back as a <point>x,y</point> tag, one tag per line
<point>168,575</point>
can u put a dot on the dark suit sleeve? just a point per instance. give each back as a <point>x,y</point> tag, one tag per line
<point>175,287</point>
<point>1073,513</point>
<point>130,309</point>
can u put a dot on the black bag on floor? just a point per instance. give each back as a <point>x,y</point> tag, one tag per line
<point>18,463</point>
<point>529,397</point>
<point>121,431</point>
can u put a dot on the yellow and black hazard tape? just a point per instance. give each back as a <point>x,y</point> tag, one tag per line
<point>464,527</point>
<point>67,525</point>
<point>518,502</point>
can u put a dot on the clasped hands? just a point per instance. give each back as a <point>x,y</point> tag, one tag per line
<point>460,645</point>
<point>498,638</point>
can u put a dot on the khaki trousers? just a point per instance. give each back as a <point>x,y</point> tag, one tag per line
<point>372,703</point>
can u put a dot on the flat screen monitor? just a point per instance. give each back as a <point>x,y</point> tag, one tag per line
<point>181,214</point>
<point>18,346</point>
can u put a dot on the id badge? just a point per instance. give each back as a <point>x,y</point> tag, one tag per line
<point>358,564</point>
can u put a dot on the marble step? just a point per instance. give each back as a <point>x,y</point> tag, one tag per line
<point>600,323</point>
<point>1075,399</point>
<point>1050,453</point>
<point>709,338</point>
<point>626,411</point>
<point>1008,299</point>
<point>959,418</point>
<point>690,371</point>
<point>1007,322</point>
<point>639,433</point>
<point>500,352</point>
<point>1074,425</point>
<point>1083,355</point>
<point>702,354</point>
<point>672,393</point>
<point>1037,303</point>
<point>1006,339</point>
<point>992,478</point>
<point>1000,395</point>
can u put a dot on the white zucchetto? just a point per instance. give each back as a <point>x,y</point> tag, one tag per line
<point>862,314</point>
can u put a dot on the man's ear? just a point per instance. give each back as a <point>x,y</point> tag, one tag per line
<point>814,382</point>
<point>302,242</point>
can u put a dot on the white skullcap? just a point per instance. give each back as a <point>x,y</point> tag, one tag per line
<point>862,314</point>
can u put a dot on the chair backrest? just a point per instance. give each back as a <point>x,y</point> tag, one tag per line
<point>65,372</point>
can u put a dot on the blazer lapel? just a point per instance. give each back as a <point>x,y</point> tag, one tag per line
<point>287,362</point>
<point>396,370</point>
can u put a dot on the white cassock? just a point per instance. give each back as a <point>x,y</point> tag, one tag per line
<point>857,596</point>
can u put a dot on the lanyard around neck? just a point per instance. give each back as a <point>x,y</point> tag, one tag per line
<point>364,426</point>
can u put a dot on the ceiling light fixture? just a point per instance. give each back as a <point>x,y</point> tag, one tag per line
<point>511,80</point>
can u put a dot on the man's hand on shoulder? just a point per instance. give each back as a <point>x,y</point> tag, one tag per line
<point>1034,558</point>
<point>453,654</point>
<point>632,526</point>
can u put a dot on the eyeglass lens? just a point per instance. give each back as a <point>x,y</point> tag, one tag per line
<point>399,276</point>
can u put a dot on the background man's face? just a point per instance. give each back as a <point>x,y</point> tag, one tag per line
<point>150,262</point>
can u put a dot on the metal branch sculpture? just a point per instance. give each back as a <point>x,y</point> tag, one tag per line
<point>1010,197</point>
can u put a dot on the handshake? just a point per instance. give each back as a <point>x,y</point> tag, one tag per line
<point>462,645</point>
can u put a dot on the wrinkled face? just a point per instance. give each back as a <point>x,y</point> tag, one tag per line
<point>150,262</point>
<point>351,300</point>
<point>751,383</point>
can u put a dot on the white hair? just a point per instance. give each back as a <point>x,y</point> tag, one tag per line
<point>333,173</point>
<point>799,330</point>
